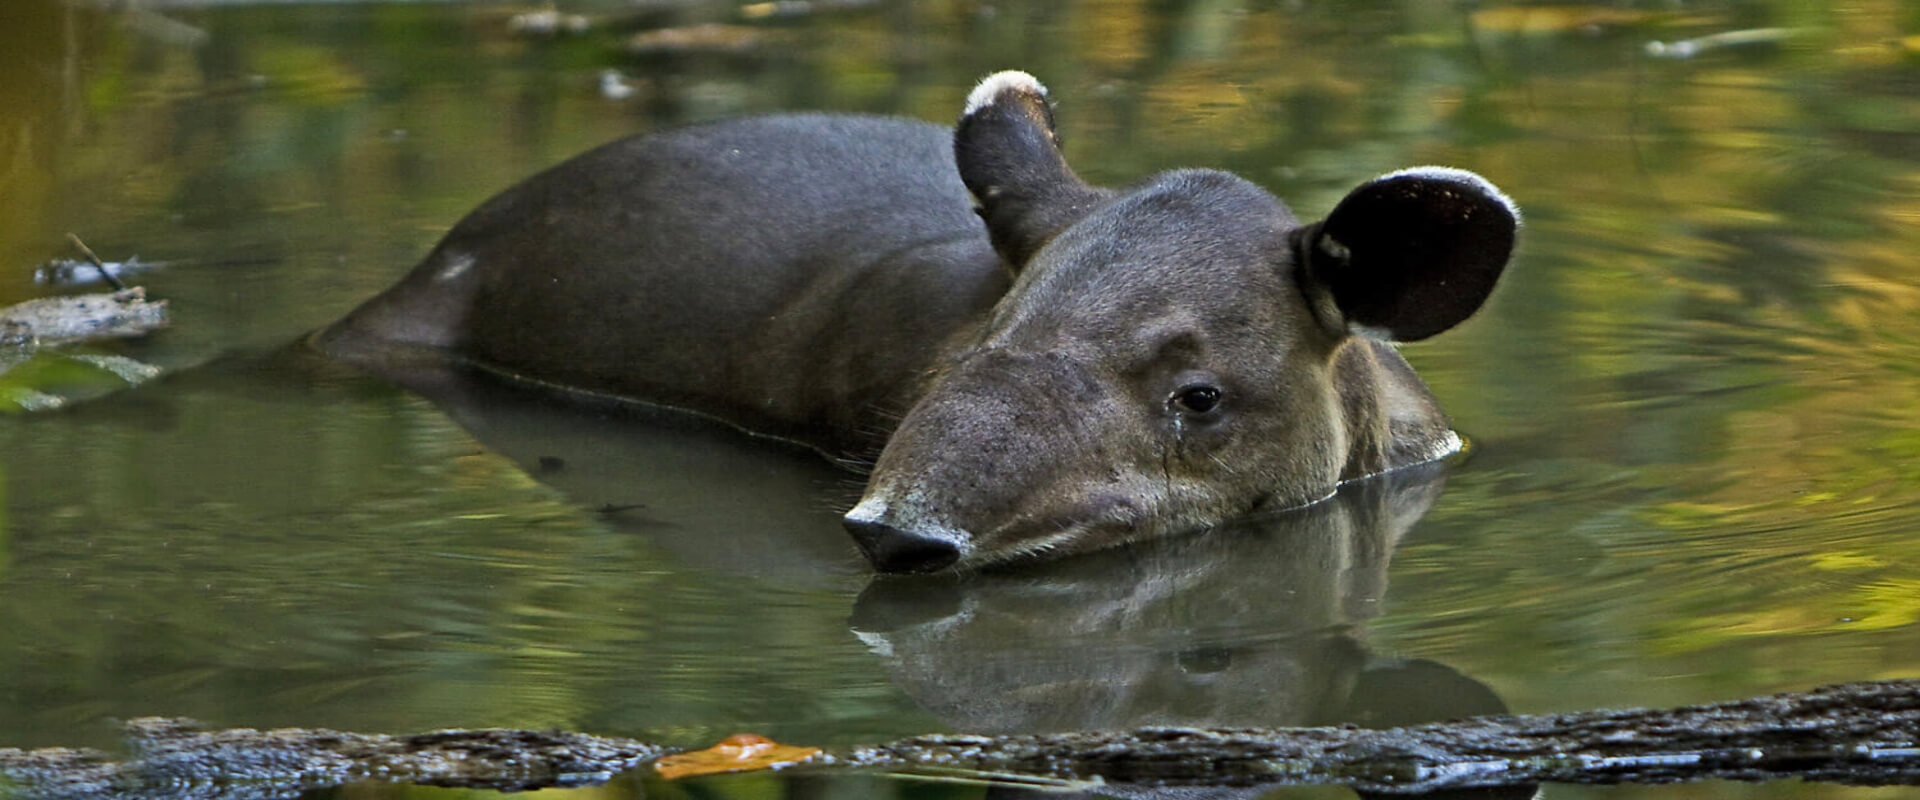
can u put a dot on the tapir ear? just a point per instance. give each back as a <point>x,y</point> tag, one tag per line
<point>1010,160</point>
<point>1409,254</point>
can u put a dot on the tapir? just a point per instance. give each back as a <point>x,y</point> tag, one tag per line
<point>1032,365</point>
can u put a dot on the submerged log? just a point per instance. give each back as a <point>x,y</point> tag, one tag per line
<point>1860,733</point>
<point>172,759</point>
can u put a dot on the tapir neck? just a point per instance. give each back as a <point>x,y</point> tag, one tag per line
<point>1392,420</point>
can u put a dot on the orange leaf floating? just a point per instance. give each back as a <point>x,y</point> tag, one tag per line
<point>737,753</point>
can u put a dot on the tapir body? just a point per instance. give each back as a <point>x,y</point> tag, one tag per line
<point>1042,366</point>
<point>790,274</point>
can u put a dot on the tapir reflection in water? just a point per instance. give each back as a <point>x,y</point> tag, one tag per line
<point>1043,366</point>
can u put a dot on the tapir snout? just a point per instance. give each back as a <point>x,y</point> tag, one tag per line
<point>1041,365</point>
<point>975,471</point>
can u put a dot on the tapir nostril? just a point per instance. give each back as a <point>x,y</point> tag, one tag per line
<point>893,549</point>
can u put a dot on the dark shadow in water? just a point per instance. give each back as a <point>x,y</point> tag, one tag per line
<point>703,490</point>
<point>1257,623</point>
<point>713,496</point>
<point>1261,623</point>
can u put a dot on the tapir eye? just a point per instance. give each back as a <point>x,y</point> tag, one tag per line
<point>1196,399</point>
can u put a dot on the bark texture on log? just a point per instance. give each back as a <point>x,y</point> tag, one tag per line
<point>174,760</point>
<point>1865,733</point>
<point>1860,733</point>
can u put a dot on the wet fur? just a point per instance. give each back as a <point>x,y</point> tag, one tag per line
<point>1002,342</point>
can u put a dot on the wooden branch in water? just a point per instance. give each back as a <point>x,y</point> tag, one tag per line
<point>1860,733</point>
<point>105,273</point>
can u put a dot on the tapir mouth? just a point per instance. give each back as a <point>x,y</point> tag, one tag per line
<point>897,541</point>
<point>1107,520</point>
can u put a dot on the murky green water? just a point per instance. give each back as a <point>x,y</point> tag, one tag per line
<point>1694,400</point>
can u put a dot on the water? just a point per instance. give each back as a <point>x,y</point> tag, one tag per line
<point>1694,408</point>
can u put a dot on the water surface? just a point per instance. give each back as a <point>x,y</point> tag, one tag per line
<point>1694,404</point>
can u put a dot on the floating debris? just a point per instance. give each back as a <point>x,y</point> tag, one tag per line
<point>74,318</point>
<point>127,369</point>
<point>799,8</point>
<point>1688,48</point>
<point>740,752</point>
<point>1556,20</point>
<point>32,379</point>
<point>31,400</point>
<point>710,38</point>
<point>547,21</point>
<point>94,259</point>
<point>28,330</point>
<point>76,272</point>
<point>614,85</point>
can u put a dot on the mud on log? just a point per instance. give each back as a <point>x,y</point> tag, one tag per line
<point>1860,733</point>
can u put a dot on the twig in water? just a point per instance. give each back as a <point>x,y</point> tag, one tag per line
<point>97,263</point>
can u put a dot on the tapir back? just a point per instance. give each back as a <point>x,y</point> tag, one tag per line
<point>790,274</point>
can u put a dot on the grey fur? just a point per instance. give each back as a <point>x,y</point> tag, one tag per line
<point>821,278</point>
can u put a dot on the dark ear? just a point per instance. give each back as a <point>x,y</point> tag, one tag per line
<point>1409,254</point>
<point>1010,160</point>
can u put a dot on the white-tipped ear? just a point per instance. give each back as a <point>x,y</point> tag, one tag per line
<point>994,85</point>
<point>1466,180</point>
<point>1010,160</point>
<point>1409,254</point>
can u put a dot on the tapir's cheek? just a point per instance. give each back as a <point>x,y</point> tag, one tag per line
<point>1084,516</point>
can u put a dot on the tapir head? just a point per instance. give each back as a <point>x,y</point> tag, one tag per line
<point>1169,355</point>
